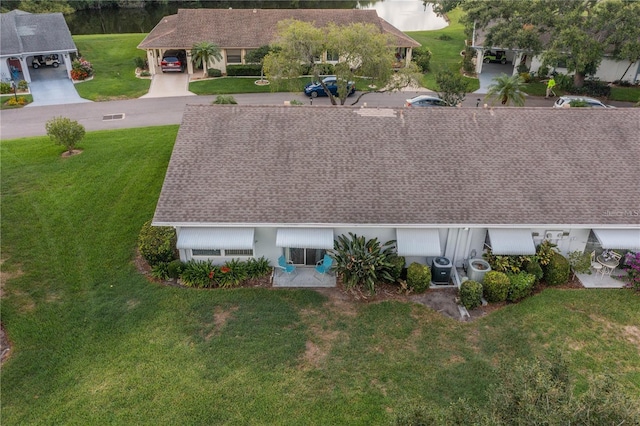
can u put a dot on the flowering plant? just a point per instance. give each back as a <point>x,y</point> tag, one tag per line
<point>632,268</point>
<point>82,68</point>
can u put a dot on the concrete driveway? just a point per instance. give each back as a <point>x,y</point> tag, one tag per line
<point>169,84</point>
<point>50,86</point>
<point>489,71</point>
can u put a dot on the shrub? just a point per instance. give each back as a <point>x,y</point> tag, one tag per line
<point>81,69</point>
<point>495,286</point>
<point>594,87</point>
<point>248,70</point>
<point>543,71</point>
<point>422,58</point>
<point>23,85</point>
<point>295,102</point>
<point>198,274</point>
<point>418,277</point>
<point>17,102</point>
<point>363,262</point>
<point>632,268</point>
<point>506,263</point>
<point>470,294</point>
<point>534,268</point>
<point>467,61</point>
<point>257,268</point>
<point>157,243</point>
<point>525,76</point>
<point>175,268</point>
<point>140,62</point>
<point>520,286</point>
<point>580,262</point>
<point>224,99</point>
<point>145,74</point>
<point>64,131</point>
<point>557,271</point>
<point>232,273</point>
<point>545,252</point>
<point>398,263</point>
<point>214,72</point>
<point>160,271</point>
<point>5,88</point>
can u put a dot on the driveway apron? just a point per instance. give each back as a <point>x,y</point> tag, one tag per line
<point>168,85</point>
<point>50,86</point>
<point>489,72</point>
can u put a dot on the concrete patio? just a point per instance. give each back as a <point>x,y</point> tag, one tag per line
<point>599,281</point>
<point>303,277</point>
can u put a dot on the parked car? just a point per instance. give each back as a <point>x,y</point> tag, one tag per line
<point>315,89</point>
<point>173,61</point>
<point>565,102</point>
<point>45,61</point>
<point>425,101</point>
<point>495,56</point>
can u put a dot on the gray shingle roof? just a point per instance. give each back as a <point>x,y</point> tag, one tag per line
<point>341,165</point>
<point>252,28</point>
<point>22,32</point>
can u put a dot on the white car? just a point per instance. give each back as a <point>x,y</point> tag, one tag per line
<point>425,101</point>
<point>565,102</point>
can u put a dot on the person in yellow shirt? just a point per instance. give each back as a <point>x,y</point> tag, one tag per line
<point>550,85</point>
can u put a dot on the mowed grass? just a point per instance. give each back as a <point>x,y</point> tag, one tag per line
<point>96,343</point>
<point>445,46</point>
<point>112,57</point>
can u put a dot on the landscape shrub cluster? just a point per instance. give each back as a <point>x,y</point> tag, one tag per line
<point>20,101</point>
<point>556,272</point>
<point>81,69</point>
<point>203,274</point>
<point>470,294</point>
<point>214,72</point>
<point>495,286</point>
<point>248,70</point>
<point>418,277</point>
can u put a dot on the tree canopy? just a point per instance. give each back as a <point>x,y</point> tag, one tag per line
<point>361,48</point>
<point>203,53</point>
<point>577,33</point>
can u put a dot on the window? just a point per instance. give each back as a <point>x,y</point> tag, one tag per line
<point>237,252</point>
<point>234,56</point>
<point>206,252</point>
<point>332,57</point>
<point>222,252</point>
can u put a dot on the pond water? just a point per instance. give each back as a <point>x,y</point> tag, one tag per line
<point>406,15</point>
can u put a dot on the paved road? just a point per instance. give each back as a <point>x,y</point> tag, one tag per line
<point>24,122</point>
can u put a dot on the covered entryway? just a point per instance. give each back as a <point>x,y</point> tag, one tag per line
<point>51,86</point>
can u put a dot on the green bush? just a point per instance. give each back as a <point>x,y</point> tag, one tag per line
<point>175,268</point>
<point>224,99</point>
<point>470,294</point>
<point>495,286</point>
<point>248,70</point>
<point>534,268</point>
<point>5,88</point>
<point>214,72</point>
<point>198,274</point>
<point>398,263</point>
<point>422,58</point>
<point>257,268</point>
<point>231,274</point>
<point>557,271</point>
<point>23,85</point>
<point>467,61</point>
<point>140,62</point>
<point>323,69</point>
<point>418,277</point>
<point>157,243</point>
<point>160,271</point>
<point>520,286</point>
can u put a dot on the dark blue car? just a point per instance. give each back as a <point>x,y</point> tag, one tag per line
<point>315,89</point>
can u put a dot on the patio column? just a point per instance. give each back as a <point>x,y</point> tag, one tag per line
<point>517,57</point>
<point>67,64</point>
<point>189,62</point>
<point>479,60</point>
<point>151,60</point>
<point>25,69</point>
<point>407,58</point>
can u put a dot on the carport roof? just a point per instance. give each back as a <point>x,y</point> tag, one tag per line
<point>34,33</point>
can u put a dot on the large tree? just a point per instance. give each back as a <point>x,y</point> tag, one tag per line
<point>361,48</point>
<point>575,32</point>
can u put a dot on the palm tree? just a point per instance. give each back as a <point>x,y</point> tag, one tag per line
<point>203,52</point>
<point>508,89</point>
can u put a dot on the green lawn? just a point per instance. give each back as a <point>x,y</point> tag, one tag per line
<point>95,343</point>
<point>445,46</point>
<point>112,58</point>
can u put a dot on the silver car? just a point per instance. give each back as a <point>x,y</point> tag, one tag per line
<point>425,101</point>
<point>565,102</point>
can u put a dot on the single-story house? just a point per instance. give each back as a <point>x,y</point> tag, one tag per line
<point>25,35</point>
<point>609,69</point>
<point>237,31</point>
<point>252,181</point>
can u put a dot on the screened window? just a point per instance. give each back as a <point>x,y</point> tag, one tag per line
<point>237,252</point>
<point>206,252</point>
<point>234,56</point>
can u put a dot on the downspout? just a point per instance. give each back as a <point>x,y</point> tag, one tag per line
<point>455,250</point>
<point>466,249</point>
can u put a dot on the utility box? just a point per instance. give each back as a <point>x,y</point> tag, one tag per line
<point>441,270</point>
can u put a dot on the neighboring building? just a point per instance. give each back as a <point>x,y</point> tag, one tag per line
<point>237,31</point>
<point>25,35</point>
<point>609,69</point>
<point>270,180</point>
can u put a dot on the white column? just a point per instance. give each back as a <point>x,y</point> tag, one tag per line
<point>479,60</point>
<point>25,69</point>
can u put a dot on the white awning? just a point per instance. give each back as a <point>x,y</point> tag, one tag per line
<point>625,239</point>
<point>215,238</point>
<point>418,242</point>
<point>511,241</point>
<point>318,238</point>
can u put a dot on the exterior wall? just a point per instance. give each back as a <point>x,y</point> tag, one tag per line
<point>609,70</point>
